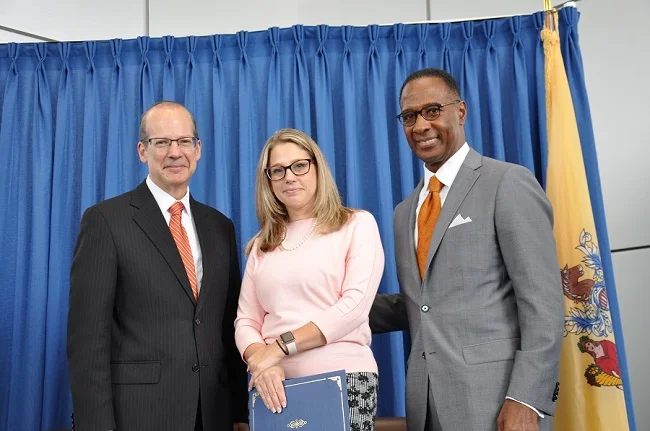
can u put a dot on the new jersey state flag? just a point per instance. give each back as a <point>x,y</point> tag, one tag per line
<point>591,388</point>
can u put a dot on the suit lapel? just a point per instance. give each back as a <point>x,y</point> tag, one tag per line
<point>467,176</point>
<point>152,222</point>
<point>203,232</point>
<point>214,241</point>
<point>412,203</point>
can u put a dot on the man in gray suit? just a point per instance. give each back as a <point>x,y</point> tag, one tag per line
<point>481,295</point>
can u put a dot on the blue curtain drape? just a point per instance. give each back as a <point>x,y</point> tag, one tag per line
<point>69,128</point>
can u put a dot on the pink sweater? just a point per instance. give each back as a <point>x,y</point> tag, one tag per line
<point>331,280</point>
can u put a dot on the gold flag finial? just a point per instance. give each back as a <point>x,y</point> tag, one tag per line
<point>550,16</point>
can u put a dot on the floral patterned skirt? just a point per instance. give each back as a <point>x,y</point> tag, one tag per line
<point>362,399</point>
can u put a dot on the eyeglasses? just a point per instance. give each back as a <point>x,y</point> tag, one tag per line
<point>166,143</point>
<point>429,112</point>
<point>299,167</point>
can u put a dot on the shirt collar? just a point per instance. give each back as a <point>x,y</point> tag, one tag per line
<point>448,171</point>
<point>165,200</point>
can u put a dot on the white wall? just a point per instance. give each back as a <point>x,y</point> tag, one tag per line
<point>441,10</point>
<point>617,60</point>
<point>7,36</point>
<point>172,17</point>
<point>74,20</point>
<point>634,297</point>
<point>616,65</point>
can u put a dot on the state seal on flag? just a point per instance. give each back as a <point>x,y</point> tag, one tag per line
<point>584,285</point>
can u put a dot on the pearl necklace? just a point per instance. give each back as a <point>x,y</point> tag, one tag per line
<point>311,230</point>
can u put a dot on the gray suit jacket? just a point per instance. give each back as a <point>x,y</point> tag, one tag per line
<point>487,320</point>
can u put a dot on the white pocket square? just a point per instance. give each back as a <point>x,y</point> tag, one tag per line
<point>459,220</point>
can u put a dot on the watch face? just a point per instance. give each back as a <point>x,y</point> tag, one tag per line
<point>287,337</point>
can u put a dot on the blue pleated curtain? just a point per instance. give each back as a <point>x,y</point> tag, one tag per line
<point>69,128</point>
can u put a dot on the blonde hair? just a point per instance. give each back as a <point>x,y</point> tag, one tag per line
<point>272,214</point>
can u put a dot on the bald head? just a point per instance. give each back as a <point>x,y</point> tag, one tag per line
<point>164,104</point>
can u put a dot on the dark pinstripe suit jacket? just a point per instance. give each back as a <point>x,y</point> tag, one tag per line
<point>141,352</point>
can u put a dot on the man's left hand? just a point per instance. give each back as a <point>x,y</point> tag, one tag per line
<point>239,426</point>
<point>515,416</point>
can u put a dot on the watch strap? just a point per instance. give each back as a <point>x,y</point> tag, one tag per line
<point>282,347</point>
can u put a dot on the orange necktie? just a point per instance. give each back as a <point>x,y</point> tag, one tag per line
<point>183,244</point>
<point>427,218</point>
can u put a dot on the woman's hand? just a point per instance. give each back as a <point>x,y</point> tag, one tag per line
<point>264,358</point>
<point>269,385</point>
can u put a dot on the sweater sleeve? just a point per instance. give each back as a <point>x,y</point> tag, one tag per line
<point>364,268</point>
<point>250,314</point>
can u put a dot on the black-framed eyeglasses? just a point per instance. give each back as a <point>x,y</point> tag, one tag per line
<point>299,167</point>
<point>165,143</point>
<point>429,112</point>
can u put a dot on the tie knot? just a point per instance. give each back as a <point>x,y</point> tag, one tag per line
<point>176,208</point>
<point>435,185</point>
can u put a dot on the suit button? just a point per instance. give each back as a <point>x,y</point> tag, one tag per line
<point>424,308</point>
<point>197,321</point>
<point>195,368</point>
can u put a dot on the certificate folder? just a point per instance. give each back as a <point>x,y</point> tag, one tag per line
<point>314,403</point>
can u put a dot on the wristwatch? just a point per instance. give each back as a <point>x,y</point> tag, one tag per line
<point>289,341</point>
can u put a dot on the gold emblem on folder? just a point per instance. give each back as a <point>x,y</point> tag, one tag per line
<point>297,423</point>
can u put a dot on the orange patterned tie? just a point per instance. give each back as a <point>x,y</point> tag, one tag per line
<point>183,244</point>
<point>427,218</point>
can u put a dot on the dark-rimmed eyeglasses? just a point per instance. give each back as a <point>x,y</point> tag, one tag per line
<point>429,112</point>
<point>299,167</point>
<point>165,143</point>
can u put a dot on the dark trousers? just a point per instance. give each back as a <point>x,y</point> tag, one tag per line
<point>432,423</point>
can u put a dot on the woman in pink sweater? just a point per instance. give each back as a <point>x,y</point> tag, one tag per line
<point>312,273</point>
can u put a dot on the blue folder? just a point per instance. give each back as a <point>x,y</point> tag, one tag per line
<point>314,403</point>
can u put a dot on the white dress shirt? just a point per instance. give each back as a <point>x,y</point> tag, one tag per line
<point>164,201</point>
<point>447,174</point>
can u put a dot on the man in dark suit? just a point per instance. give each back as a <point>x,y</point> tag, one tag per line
<point>154,286</point>
<point>480,287</point>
